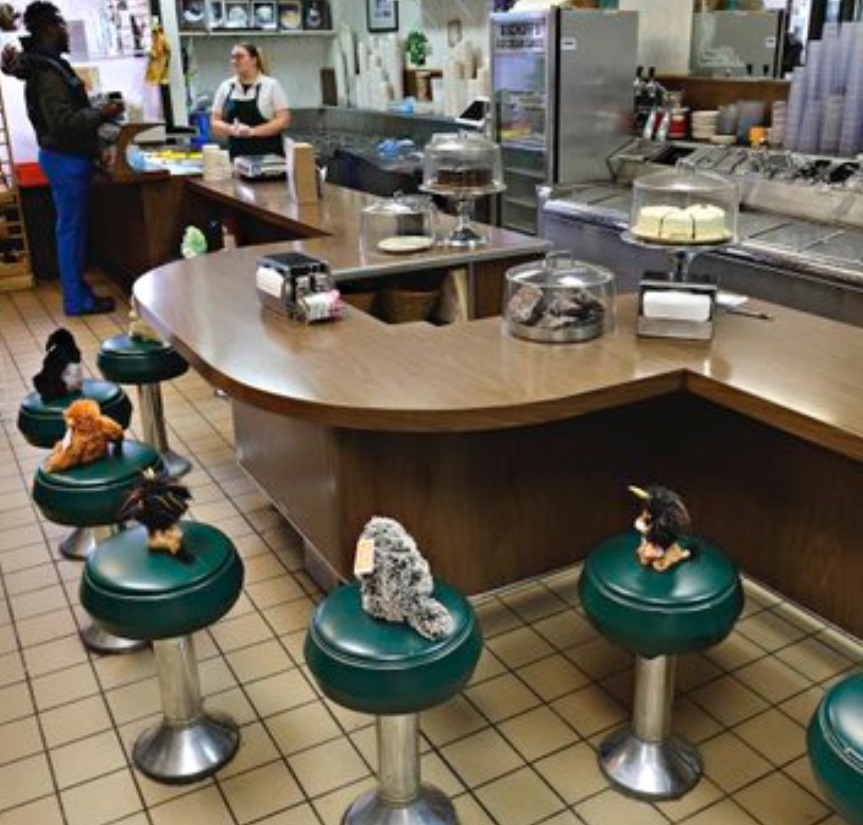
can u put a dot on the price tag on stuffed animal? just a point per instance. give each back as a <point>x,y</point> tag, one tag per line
<point>364,560</point>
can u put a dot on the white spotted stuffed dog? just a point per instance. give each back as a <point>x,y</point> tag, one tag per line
<point>399,588</point>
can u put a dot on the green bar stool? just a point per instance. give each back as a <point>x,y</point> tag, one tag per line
<point>834,742</point>
<point>146,364</point>
<point>92,496</point>
<point>153,596</point>
<point>656,616</point>
<point>392,672</point>
<point>42,425</point>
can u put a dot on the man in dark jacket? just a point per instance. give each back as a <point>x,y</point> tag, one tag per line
<point>67,128</point>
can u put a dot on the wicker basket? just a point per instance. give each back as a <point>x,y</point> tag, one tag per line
<point>403,306</point>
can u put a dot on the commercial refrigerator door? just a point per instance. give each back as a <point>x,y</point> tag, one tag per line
<point>597,53</point>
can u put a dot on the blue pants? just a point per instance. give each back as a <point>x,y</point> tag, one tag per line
<point>71,179</point>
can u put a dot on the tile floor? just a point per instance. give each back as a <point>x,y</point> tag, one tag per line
<point>517,747</point>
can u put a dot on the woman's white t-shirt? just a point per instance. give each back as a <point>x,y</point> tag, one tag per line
<point>271,99</point>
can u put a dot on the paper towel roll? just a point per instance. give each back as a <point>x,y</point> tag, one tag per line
<point>676,305</point>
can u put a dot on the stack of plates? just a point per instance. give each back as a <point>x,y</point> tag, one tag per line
<point>704,124</point>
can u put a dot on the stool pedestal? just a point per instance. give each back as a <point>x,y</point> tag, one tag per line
<point>78,544</point>
<point>645,759</point>
<point>188,743</point>
<point>400,798</point>
<point>155,433</point>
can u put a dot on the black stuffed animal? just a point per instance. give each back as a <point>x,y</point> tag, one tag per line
<point>61,369</point>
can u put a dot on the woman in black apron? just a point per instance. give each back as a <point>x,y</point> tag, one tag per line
<point>250,109</point>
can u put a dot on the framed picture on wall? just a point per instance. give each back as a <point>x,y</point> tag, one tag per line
<point>192,14</point>
<point>264,14</point>
<point>290,15</point>
<point>217,14</point>
<point>383,15</point>
<point>238,14</point>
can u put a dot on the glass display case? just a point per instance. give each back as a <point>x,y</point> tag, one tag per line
<point>401,224</point>
<point>559,300</point>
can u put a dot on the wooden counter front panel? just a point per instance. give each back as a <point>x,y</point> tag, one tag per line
<point>492,508</point>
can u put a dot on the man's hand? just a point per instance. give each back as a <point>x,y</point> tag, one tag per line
<point>10,53</point>
<point>240,129</point>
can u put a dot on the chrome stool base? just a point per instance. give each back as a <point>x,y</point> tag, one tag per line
<point>100,641</point>
<point>650,770</point>
<point>186,753</point>
<point>155,432</point>
<point>431,807</point>
<point>78,544</point>
<point>176,465</point>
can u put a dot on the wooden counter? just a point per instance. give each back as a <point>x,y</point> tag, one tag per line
<point>507,458</point>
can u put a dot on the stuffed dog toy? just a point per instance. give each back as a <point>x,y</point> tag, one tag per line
<point>88,434</point>
<point>61,368</point>
<point>399,587</point>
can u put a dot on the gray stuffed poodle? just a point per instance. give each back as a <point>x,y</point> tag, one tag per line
<point>399,588</point>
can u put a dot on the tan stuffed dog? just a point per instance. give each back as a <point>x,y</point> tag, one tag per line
<point>88,434</point>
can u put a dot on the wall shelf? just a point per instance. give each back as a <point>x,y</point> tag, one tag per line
<point>246,33</point>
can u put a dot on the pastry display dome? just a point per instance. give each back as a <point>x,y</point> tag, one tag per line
<point>401,224</point>
<point>465,161</point>
<point>683,207</point>
<point>559,300</point>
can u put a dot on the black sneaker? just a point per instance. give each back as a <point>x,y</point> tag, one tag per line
<point>101,304</point>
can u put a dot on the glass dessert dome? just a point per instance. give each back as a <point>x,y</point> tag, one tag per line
<point>462,167</point>
<point>682,207</point>
<point>559,300</point>
<point>401,224</point>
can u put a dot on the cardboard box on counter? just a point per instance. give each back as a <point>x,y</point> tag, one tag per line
<point>302,171</point>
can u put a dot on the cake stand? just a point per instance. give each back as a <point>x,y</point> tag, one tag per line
<point>463,233</point>
<point>682,254</point>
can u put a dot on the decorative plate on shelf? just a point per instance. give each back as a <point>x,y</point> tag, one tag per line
<point>290,15</point>
<point>403,244</point>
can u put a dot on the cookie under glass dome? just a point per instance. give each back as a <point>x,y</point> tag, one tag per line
<point>681,207</point>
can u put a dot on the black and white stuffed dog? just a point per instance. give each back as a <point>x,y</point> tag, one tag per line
<point>399,588</point>
<point>61,369</point>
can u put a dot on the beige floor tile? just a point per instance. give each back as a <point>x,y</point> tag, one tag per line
<point>800,770</point>
<point>481,757</point>
<point>495,617</point>
<point>263,568</point>
<point>36,602</point>
<point>117,671</point>
<point>256,749</point>
<point>814,659</point>
<point>102,800</point>
<point>201,807</point>
<point>19,739</point>
<point>55,655</point>
<point>135,700</point>
<point>87,759</point>
<point>215,676</point>
<point>233,634</point>
<point>278,590</point>
<point>8,639</point>
<point>301,728</point>
<point>804,619</point>
<point>330,807</point>
<point>45,811</point>
<point>693,671</point>
<point>735,652</point>
<point>24,781</point>
<point>520,798</point>
<point>704,794</point>
<point>565,630</point>
<point>519,647</point>
<point>15,702</point>
<point>434,771</point>
<point>537,733</point>
<point>591,710</point>
<point>469,811</point>
<point>488,667</point>
<point>246,799</point>
<point>533,602</point>
<point>726,812</point>
<point>611,806</point>
<point>731,763</point>
<point>802,706</point>
<point>302,814</point>
<point>450,721</point>
<point>501,697</point>
<point>770,631</point>
<point>776,798</point>
<point>599,658</point>
<point>33,578</point>
<point>326,767</point>
<point>234,703</point>
<point>290,617</point>
<point>552,677</point>
<point>774,735</point>
<point>772,679</point>
<point>258,661</point>
<point>280,692</point>
<point>47,627</point>
<point>75,721</point>
<point>24,557</point>
<point>691,722</point>
<point>18,537</point>
<point>573,772</point>
<point>728,700</point>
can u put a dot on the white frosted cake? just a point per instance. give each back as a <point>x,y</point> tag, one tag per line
<point>700,223</point>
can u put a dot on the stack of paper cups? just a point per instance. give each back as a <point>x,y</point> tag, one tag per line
<point>217,163</point>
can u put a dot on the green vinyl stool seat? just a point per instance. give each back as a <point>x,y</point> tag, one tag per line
<point>154,596</point>
<point>834,742</point>
<point>656,616</point>
<point>146,364</point>
<point>92,496</point>
<point>42,424</point>
<point>389,670</point>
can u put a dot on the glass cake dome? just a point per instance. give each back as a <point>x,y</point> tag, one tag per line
<point>401,224</point>
<point>684,207</point>
<point>559,300</point>
<point>454,163</point>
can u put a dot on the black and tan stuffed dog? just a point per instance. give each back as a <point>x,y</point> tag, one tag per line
<point>399,587</point>
<point>61,368</point>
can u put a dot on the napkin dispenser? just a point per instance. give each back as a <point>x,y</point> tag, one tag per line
<point>670,309</point>
<point>299,286</point>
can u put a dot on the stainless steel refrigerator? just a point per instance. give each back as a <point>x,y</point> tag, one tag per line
<point>562,101</point>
